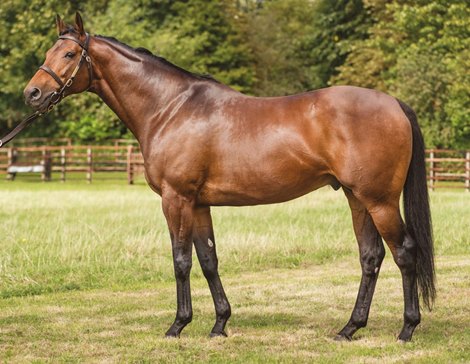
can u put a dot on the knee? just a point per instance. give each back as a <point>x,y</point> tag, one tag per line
<point>183,265</point>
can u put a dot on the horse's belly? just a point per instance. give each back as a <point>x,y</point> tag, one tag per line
<point>255,189</point>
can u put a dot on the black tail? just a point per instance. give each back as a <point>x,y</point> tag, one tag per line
<point>417,212</point>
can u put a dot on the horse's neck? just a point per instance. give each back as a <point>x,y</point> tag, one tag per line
<point>133,86</point>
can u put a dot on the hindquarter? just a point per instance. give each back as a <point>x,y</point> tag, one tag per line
<point>370,143</point>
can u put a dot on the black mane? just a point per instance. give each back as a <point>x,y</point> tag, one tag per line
<point>69,30</point>
<point>159,59</point>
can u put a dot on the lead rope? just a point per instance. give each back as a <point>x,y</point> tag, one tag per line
<point>19,128</point>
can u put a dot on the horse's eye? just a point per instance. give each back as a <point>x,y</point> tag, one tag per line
<point>69,55</point>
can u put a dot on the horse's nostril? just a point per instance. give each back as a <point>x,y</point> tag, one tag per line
<point>35,94</point>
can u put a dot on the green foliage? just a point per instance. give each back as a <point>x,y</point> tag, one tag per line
<point>89,129</point>
<point>417,50</point>
<point>206,37</point>
<point>23,43</point>
<point>275,34</point>
<point>337,26</point>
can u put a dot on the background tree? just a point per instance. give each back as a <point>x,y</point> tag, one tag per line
<point>417,50</point>
<point>337,26</point>
<point>206,37</point>
<point>275,34</point>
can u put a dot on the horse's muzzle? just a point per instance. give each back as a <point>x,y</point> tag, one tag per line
<point>32,96</point>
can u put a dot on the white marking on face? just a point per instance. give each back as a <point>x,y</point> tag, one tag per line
<point>376,270</point>
<point>210,243</point>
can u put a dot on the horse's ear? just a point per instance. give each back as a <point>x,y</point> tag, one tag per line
<point>79,24</point>
<point>60,24</point>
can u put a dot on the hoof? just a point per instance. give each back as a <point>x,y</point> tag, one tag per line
<point>403,341</point>
<point>217,334</point>
<point>170,334</point>
<point>342,338</point>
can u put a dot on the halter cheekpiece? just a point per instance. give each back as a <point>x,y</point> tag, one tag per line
<point>58,95</point>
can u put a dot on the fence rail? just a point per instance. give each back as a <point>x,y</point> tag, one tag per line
<point>70,159</point>
<point>446,168</point>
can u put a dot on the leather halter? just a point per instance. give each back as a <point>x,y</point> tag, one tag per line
<point>58,95</point>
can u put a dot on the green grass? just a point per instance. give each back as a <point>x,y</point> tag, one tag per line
<point>86,275</point>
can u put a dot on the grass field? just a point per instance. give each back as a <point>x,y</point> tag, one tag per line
<point>86,275</point>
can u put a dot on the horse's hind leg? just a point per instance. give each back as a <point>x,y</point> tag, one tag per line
<point>390,225</point>
<point>204,242</point>
<point>372,252</point>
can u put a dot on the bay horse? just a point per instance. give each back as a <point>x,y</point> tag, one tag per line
<point>205,144</point>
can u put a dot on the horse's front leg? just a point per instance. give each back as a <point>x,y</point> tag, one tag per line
<point>205,248</point>
<point>179,213</point>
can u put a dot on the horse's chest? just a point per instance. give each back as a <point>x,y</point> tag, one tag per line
<point>153,168</point>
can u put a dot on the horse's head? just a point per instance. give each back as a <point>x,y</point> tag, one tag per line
<point>66,70</point>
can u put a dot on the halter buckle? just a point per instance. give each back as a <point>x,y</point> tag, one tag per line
<point>55,98</point>
<point>69,82</point>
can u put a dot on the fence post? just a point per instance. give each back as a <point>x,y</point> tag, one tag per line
<point>130,171</point>
<point>10,156</point>
<point>11,159</point>
<point>89,157</point>
<point>116,151</point>
<point>46,162</point>
<point>467,171</point>
<point>431,169</point>
<point>62,164</point>
<point>43,174</point>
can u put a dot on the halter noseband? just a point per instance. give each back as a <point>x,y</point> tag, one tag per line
<point>57,96</point>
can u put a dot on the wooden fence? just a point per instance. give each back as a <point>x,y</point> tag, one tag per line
<point>36,142</point>
<point>70,159</point>
<point>446,168</point>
